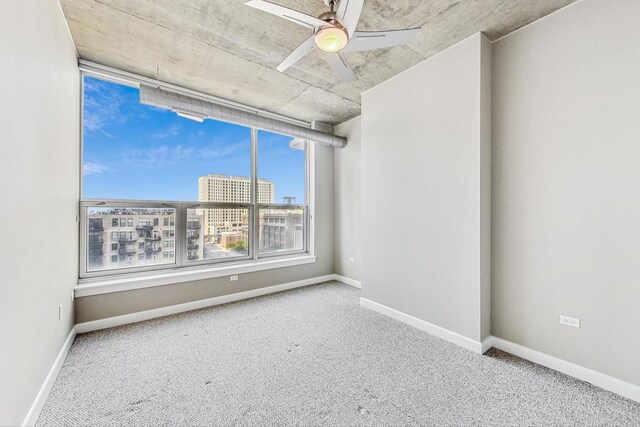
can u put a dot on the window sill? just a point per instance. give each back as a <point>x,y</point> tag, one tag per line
<point>106,285</point>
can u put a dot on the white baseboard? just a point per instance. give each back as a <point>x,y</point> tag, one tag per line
<point>430,328</point>
<point>607,382</point>
<point>347,281</point>
<point>487,343</point>
<point>615,385</point>
<point>43,393</point>
<point>140,316</point>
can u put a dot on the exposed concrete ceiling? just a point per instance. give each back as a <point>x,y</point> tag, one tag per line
<point>227,49</point>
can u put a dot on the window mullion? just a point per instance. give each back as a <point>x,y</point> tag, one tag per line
<point>180,241</point>
<point>255,212</point>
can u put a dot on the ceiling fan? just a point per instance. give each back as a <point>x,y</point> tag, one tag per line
<point>335,32</point>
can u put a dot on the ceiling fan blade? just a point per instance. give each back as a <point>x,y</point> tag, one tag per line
<point>286,13</point>
<point>339,64</point>
<point>297,54</point>
<point>349,14</point>
<point>369,40</point>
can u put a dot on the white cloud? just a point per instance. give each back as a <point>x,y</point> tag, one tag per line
<point>104,104</point>
<point>181,153</point>
<point>211,153</point>
<point>150,157</point>
<point>172,130</point>
<point>158,156</point>
<point>101,107</point>
<point>93,168</point>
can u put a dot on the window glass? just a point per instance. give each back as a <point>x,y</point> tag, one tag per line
<point>281,230</point>
<point>281,169</point>
<point>147,167</point>
<point>138,152</point>
<point>217,234</point>
<point>133,250</point>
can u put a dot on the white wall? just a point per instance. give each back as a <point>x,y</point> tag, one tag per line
<point>566,173</point>
<point>39,189</point>
<point>346,213</point>
<point>425,190</point>
<point>115,304</point>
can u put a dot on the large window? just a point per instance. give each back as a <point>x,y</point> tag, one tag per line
<point>282,159</point>
<point>162,191</point>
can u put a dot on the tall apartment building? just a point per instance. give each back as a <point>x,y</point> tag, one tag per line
<point>281,230</point>
<point>195,238</point>
<point>229,189</point>
<point>125,237</point>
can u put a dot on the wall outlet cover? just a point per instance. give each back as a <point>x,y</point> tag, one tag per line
<point>570,321</point>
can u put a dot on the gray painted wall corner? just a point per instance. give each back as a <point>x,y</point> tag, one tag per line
<point>486,61</point>
<point>347,220</point>
<point>422,238</point>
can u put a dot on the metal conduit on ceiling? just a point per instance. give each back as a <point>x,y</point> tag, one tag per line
<point>200,109</point>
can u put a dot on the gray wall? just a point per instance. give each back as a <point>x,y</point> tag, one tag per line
<point>39,189</point>
<point>486,85</point>
<point>107,305</point>
<point>566,193</point>
<point>346,213</point>
<point>425,190</point>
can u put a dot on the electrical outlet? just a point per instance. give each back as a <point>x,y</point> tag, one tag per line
<point>60,312</point>
<point>233,278</point>
<point>569,321</point>
<point>352,259</point>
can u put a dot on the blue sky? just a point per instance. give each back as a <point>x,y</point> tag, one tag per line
<point>138,152</point>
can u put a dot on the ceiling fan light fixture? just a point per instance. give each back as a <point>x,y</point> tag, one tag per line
<point>331,39</point>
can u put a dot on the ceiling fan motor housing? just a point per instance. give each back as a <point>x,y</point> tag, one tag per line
<point>330,17</point>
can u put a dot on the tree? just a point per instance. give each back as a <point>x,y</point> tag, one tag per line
<point>240,245</point>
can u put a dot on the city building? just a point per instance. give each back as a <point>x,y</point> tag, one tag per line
<point>127,237</point>
<point>195,238</point>
<point>281,230</point>
<point>229,189</point>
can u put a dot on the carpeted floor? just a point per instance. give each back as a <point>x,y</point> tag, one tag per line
<point>310,356</point>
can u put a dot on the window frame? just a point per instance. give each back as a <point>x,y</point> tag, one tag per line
<point>180,224</point>
<point>215,205</point>
<point>305,222</point>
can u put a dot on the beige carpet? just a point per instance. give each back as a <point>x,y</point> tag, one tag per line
<point>310,356</point>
